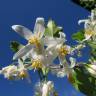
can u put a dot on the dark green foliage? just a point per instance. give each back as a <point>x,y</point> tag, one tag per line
<point>14,46</point>
<point>84,82</point>
<point>87,4</point>
<point>79,36</point>
<point>92,48</point>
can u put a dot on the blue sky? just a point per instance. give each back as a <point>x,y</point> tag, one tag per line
<point>24,12</point>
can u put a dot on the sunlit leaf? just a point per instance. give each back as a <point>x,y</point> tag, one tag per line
<point>79,36</point>
<point>52,29</point>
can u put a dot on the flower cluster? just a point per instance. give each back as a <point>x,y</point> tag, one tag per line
<point>45,45</point>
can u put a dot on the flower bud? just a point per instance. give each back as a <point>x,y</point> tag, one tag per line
<point>92,69</point>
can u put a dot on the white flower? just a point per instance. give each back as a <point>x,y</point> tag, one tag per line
<point>47,88</point>
<point>22,71</point>
<point>42,60</point>
<point>57,46</point>
<point>9,71</point>
<point>52,41</point>
<point>63,68</point>
<point>89,25</point>
<point>48,55</point>
<point>33,39</point>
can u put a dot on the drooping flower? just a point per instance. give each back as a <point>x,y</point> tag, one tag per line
<point>33,39</point>
<point>22,71</point>
<point>9,72</point>
<point>64,68</point>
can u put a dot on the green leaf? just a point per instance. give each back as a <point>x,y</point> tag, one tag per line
<point>79,36</point>
<point>57,30</point>
<point>83,81</point>
<point>15,46</point>
<point>92,44</point>
<point>52,29</point>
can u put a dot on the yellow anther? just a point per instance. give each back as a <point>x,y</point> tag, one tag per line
<point>22,74</point>
<point>89,32</point>
<point>63,51</point>
<point>34,40</point>
<point>36,64</point>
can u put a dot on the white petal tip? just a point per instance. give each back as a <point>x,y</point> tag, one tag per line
<point>17,27</point>
<point>0,71</point>
<point>14,57</point>
<point>79,22</point>
<point>40,19</point>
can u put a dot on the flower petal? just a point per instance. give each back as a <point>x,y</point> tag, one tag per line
<point>39,27</point>
<point>51,53</point>
<point>73,62</point>
<point>61,74</point>
<point>62,35</point>
<point>87,37</point>
<point>54,66</point>
<point>23,31</point>
<point>52,41</point>
<point>82,21</point>
<point>20,64</point>
<point>45,90</point>
<point>23,51</point>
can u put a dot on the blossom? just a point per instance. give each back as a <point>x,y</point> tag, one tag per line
<point>60,50</point>
<point>57,46</point>
<point>33,39</point>
<point>49,54</point>
<point>46,57</point>
<point>89,25</point>
<point>15,72</point>
<point>9,71</point>
<point>47,88</point>
<point>40,61</point>
<point>22,71</point>
<point>64,68</point>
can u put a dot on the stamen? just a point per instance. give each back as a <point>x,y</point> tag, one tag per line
<point>89,32</point>
<point>34,40</point>
<point>22,74</point>
<point>63,51</point>
<point>36,64</point>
